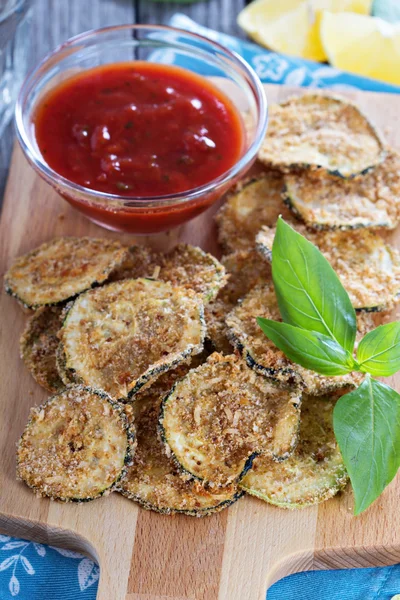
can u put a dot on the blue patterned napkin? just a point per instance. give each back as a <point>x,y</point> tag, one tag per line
<point>354,584</point>
<point>279,68</point>
<point>31,571</point>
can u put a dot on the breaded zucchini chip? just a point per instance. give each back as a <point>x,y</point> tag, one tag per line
<point>61,269</point>
<point>264,357</point>
<point>191,268</point>
<point>327,202</point>
<point>319,131</point>
<point>215,314</point>
<point>38,345</point>
<point>154,480</point>
<point>139,261</point>
<point>244,268</point>
<point>252,204</point>
<point>185,266</point>
<point>368,268</point>
<point>75,446</point>
<point>66,375</point>
<point>124,335</point>
<point>314,473</point>
<point>221,415</point>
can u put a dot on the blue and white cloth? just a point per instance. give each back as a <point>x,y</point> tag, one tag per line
<point>32,571</point>
<point>278,68</point>
<point>354,584</point>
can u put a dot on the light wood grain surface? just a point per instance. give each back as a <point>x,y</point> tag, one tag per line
<point>54,21</point>
<point>234,555</point>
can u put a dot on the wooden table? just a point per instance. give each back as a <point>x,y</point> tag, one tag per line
<point>56,20</point>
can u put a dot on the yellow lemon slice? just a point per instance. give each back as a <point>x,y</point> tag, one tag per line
<point>292,26</point>
<point>364,45</point>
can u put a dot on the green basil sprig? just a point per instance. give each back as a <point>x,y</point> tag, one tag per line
<point>308,290</point>
<point>310,349</point>
<point>367,428</point>
<point>378,352</point>
<point>318,332</point>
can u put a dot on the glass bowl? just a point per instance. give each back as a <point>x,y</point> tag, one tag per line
<point>157,44</point>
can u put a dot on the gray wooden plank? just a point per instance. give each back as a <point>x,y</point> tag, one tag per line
<point>57,20</point>
<point>218,14</point>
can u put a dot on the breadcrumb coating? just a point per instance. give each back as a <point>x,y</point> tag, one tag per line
<point>320,131</point>
<point>61,269</point>
<point>314,473</point>
<point>327,202</point>
<point>222,414</point>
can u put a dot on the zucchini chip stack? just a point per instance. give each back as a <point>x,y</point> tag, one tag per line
<point>221,415</point>
<point>265,358</point>
<point>328,202</point>
<point>123,336</point>
<point>39,343</point>
<point>314,473</point>
<point>244,268</point>
<point>154,479</point>
<point>317,131</point>
<point>75,447</point>
<point>61,269</point>
<point>368,268</point>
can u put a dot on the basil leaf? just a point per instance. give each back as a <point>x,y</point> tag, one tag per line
<point>379,351</point>
<point>309,349</point>
<point>310,294</point>
<point>367,428</point>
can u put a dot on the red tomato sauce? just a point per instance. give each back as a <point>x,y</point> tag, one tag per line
<point>138,129</point>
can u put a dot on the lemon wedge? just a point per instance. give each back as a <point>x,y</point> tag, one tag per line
<point>364,45</point>
<point>292,26</point>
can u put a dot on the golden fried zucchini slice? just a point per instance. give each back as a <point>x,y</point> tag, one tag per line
<point>244,269</point>
<point>154,480</point>
<point>215,314</point>
<point>191,268</point>
<point>185,266</point>
<point>139,261</point>
<point>264,357</point>
<point>75,446</point>
<point>319,131</point>
<point>61,269</point>
<point>66,375</point>
<point>122,336</point>
<point>314,473</point>
<point>38,346</point>
<point>252,204</point>
<point>368,268</point>
<point>218,417</point>
<point>327,202</point>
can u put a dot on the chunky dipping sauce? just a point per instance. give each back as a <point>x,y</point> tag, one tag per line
<point>138,129</point>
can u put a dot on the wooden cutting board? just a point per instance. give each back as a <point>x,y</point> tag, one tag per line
<point>234,555</point>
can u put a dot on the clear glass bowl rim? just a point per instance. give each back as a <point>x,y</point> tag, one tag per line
<point>141,201</point>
